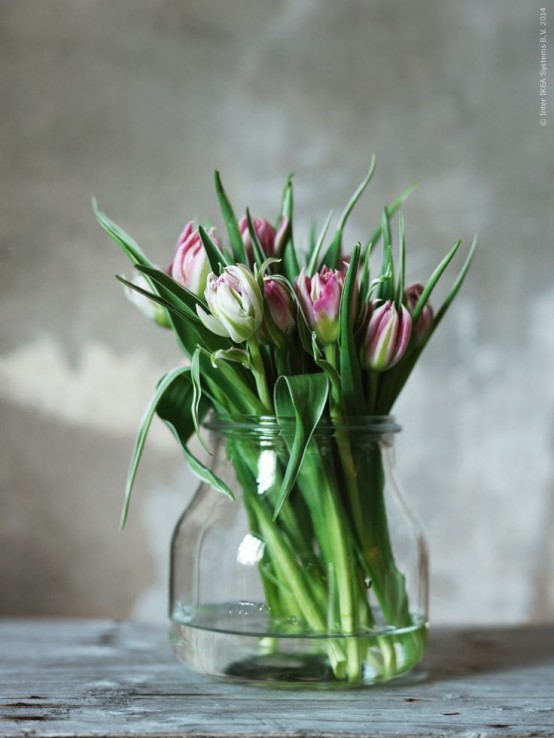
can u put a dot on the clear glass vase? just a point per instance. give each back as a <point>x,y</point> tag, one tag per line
<point>331,592</point>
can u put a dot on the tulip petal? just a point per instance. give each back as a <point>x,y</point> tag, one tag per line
<point>211,323</point>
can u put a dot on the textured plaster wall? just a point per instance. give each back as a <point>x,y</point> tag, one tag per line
<point>137,102</point>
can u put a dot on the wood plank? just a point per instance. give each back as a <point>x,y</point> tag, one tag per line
<point>102,678</point>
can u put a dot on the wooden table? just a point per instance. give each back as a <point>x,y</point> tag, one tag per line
<point>103,678</point>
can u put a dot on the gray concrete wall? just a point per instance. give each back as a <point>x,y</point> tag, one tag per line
<point>137,102</point>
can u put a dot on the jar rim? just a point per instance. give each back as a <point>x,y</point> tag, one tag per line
<point>375,424</point>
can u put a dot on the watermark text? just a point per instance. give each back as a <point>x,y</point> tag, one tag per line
<point>543,67</point>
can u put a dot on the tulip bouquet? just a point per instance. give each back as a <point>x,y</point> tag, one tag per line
<point>307,338</point>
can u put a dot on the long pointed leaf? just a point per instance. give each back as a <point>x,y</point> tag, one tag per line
<point>291,265</point>
<point>125,242</point>
<point>402,261</point>
<point>350,369</point>
<point>179,312</point>
<point>191,331</point>
<point>143,433</point>
<point>286,200</point>
<point>259,256</point>
<point>391,210</point>
<point>215,256</point>
<point>332,254</point>
<point>231,382</point>
<point>233,231</point>
<point>197,397</point>
<point>457,284</point>
<point>393,381</point>
<point>172,409</point>
<point>174,288</point>
<point>314,256</point>
<point>302,397</point>
<point>433,279</point>
<point>386,289</point>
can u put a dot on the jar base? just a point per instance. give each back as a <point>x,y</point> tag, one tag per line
<point>309,661</point>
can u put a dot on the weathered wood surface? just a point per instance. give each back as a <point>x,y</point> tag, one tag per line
<point>101,678</point>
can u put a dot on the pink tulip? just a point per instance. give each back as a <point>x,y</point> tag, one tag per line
<point>319,298</point>
<point>263,230</point>
<point>424,323</point>
<point>190,265</point>
<point>281,304</point>
<point>387,335</point>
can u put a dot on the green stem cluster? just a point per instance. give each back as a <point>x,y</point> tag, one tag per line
<point>316,576</point>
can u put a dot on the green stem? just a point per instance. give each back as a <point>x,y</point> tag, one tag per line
<point>295,577</point>
<point>373,528</point>
<point>318,484</point>
<point>372,382</point>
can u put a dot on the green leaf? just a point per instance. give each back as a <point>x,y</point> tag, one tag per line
<point>304,332</point>
<point>291,265</point>
<point>204,473</point>
<point>232,384</point>
<point>170,287</point>
<point>433,279</point>
<point>302,397</point>
<point>286,201</point>
<point>259,256</point>
<point>393,381</point>
<point>191,331</point>
<point>312,236</point>
<point>332,254</point>
<point>402,261</point>
<point>328,368</point>
<point>144,427</point>
<point>386,290</point>
<point>350,369</point>
<point>197,397</point>
<point>125,242</point>
<point>216,257</point>
<point>314,256</point>
<point>290,262</point>
<point>233,231</point>
<point>172,409</point>
<point>457,284</point>
<point>155,298</point>
<point>391,210</point>
<point>264,267</point>
<point>234,354</point>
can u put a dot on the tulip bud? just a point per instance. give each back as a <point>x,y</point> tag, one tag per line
<point>424,323</point>
<point>265,233</point>
<point>190,265</point>
<point>387,335</point>
<point>235,303</point>
<point>281,306</point>
<point>319,298</point>
<point>147,307</point>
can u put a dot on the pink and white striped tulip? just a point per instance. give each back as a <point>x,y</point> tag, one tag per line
<point>190,265</point>
<point>387,335</point>
<point>235,302</point>
<point>424,323</point>
<point>280,304</point>
<point>265,233</point>
<point>319,298</point>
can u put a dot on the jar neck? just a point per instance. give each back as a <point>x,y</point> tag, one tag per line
<point>270,426</point>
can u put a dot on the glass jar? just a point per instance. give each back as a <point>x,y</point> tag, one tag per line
<point>331,591</point>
